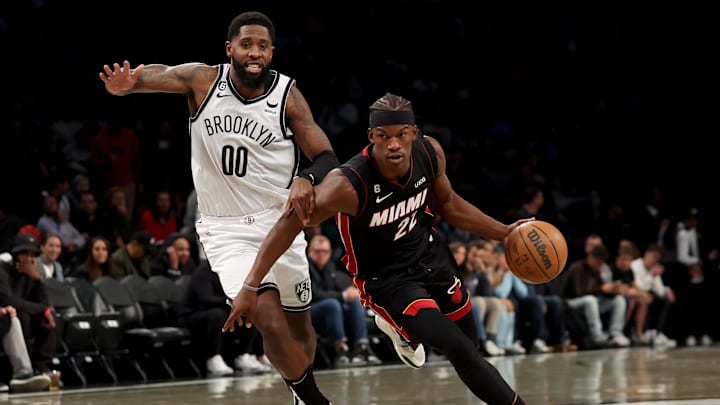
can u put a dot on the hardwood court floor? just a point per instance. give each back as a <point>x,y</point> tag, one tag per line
<point>638,376</point>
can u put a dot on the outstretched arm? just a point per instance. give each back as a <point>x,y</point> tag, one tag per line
<point>191,79</point>
<point>335,194</point>
<point>458,212</point>
<point>315,145</point>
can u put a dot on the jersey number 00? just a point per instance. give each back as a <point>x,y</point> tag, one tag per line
<point>234,160</point>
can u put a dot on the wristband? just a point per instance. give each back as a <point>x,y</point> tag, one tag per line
<point>250,288</point>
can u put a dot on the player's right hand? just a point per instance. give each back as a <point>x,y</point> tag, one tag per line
<point>243,305</point>
<point>514,225</point>
<point>119,79</point>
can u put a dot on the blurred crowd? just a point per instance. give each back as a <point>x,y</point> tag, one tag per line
<point>539,117</point>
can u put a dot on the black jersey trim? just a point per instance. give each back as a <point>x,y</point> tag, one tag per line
<point>283,105</point>
<point>432,156</point>
<point>296,169</point>
<point>352,171</point>
<point>275,80</point>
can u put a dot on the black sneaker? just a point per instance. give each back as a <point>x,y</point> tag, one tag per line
<point>342,358</point>
<point>365,352</point>
<point>30,383</point>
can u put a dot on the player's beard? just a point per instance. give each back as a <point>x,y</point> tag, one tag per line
<point>248,80</point>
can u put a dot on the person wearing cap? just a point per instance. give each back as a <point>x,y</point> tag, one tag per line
<point>134,257</point>
<point>21,288</point>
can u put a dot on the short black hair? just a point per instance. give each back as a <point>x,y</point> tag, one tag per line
<point>391,102</point>
<point>250,18</point>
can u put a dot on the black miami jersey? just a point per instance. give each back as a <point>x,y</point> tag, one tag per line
<point>392,229</point>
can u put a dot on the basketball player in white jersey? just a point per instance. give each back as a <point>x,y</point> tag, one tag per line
<point>246,124</point>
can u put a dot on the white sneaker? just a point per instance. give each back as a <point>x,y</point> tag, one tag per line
<point>29,382</point>
<point>412,356</point>
<point>706,340</point>
<point>265,361</point>
<point>264,364</point>
<point>620,340</point>
<point>540,346</point>
<point>518,348</point>
<point>645,339</point>
<point>664,341</point>
<point>691,341</point>
<point>492,349</point>
<point>216,367</point>
<point>248,363</point>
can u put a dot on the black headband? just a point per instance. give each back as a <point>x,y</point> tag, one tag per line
<point>378,118</point>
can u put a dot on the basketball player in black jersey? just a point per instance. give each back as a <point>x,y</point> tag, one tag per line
<point>385,200</point>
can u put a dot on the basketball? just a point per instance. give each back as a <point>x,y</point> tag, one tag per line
<point>536,252</point>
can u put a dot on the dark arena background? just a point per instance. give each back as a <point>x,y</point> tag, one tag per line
<point>602,108</point>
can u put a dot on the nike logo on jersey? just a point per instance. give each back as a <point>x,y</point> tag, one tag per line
<point>381,199</point>
<point>271,105</point>
<point>220,95</point>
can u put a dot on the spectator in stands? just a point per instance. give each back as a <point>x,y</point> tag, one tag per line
<point>470,281</point>
<point>134,257</point>
<point>586,293</point>
<point>87,219</point>
<point>98,263</point>
<point>638,301</point>
<point>47,262</point>
<point>533,200</point>
<point>22,288</point>
<point>647,271</point>
<point>173,259</point>
<point>53,221</point>
<point>592,240</point>
<point>24,378</point>
<point>114,158</point>
<point>117,217</point>
<point>336,303</point>
<point>80,185</point>
<point>694,295</point>
<point>160,219</point>
<point>203,311</point>
<point>529,307</point>
<point>491,309</point>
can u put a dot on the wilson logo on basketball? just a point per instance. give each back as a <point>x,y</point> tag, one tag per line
<point>540,247</point>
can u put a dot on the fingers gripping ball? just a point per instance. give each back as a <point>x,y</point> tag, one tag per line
<point>536,252</point>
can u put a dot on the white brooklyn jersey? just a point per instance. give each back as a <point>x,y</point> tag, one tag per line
<point>243,154</point>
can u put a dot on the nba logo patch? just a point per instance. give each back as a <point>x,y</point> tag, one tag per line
<point>302,290</point>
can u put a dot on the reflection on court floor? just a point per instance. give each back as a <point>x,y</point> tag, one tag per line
<point>638,376</point>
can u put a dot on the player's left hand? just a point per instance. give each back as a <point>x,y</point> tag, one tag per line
<point>244,304</point>
<point>515,225</point>
<point>301,199</point>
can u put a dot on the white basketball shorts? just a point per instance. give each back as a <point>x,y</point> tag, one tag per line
<point>231,244</point>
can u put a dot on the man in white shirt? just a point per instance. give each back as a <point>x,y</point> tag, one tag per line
<point>648,271</point>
